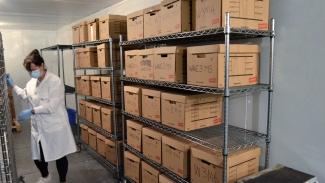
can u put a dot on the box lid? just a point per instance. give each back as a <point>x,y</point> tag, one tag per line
<point>152,9</point>
<point>92,131</point>
<point>165,179</point>
<point>108,78</point>
<point>135,14</point>
<point>149,131</point>
<point>93,21</point>
<point>76,26</point>
<point>110,142</point>
<point>82,101</point>
<point>85,78</point>
<point>95,78</point>
<point>188,98</point>
<point>167,2</point>
<point>134,124</point>
<point>234,158</point>
<point>84,127</point>
<point>106,110</point>
<point>88,49</point>
<point>132,89</point>
<point>89,104</point>
<point>131,156</point>
<point>103,46</point>
<point>177,142</point>
<point>78,76</point>
<point>170,50</point>
<point>83,23</point>
<point>150,92</point>
<point>150,169</point>
<point>146,52</point>
<point>220,48</point>
<point>96,106</point>
<point>100,136</point>
<point>112,17</point>
<point>131,52</point>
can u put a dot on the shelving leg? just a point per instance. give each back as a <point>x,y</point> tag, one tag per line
<point>270,97</point>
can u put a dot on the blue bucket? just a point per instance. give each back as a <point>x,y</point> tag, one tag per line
<point>72,116</point>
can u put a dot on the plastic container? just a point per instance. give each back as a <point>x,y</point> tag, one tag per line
<point>72,116</point>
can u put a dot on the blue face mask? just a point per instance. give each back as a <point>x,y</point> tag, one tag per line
<point>35,74</point>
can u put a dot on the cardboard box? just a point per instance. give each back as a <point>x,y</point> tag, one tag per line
<point>165,179</point>
<point>135,25</point>
<point>112,26</point>
<point>175,16</point>
<point>106,84</point>
<point>151,146</point>
<point>205,65</point>
<point>82,108</point>
<point>132,64</point>
<point>151,104</point>
<point>176,155</point>
<point>88,57</point>
<point>85,85</point>
<point>83,32</point>
<point>78,83</point>
<point>84,133</point>
<point>132,166</point>
<point>101,146</point>
<point>132,99</point>
<point>103,53</point>
<point>92,138</point>
<point>149,174</point>
<point>152,21</point>
<point>9,91</point>
<point>111,151</point>
<point>93,29</point>
<point>89,111</point>
<point>191,111</point>
<point>170,64</point>
<point>247,14</point>
<point>77,55</point>
<point>207,14</point>
<point>108,122</point>
<point>207,165</point>
<point>134,134</point>
<point>97,114</point>
<point>76,34</point>
<point>96,90</point>
<point>146,61</point>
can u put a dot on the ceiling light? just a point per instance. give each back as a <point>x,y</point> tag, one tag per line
<point>3,23</point>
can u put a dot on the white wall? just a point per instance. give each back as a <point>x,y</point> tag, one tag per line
<point>18,44</point>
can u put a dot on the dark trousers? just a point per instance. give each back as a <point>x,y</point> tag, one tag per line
<point>61,165</point>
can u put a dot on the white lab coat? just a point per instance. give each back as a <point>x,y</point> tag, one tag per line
<point>50,124</point>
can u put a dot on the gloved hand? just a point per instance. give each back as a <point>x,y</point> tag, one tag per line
<point>25,115</point>
<point>10,82</point>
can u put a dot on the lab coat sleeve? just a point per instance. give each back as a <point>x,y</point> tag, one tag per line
<point>52,104</point>
<point>21,93</point>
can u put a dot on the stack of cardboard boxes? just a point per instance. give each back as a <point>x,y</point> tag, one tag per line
<point>175,16</point>
<point>14,123</point>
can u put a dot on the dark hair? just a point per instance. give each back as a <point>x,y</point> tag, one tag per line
<point>35,58</point>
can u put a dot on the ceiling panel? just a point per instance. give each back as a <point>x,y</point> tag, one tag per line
<point>47,14</point>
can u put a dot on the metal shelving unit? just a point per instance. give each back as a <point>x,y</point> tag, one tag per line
<point>8,171</point>
<point>68,89</point>
<point>116,136</point>
<point>222,138</point>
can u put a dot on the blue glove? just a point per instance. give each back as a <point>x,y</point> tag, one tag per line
<point>25,115</point>
<point>10,82</point>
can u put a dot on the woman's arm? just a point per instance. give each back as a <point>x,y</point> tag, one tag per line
<point>56,96</point>
<point>20,93</point>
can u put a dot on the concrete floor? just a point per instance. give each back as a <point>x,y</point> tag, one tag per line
<point>83,168</point>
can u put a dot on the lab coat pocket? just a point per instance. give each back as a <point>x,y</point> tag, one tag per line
<point>51,122</point>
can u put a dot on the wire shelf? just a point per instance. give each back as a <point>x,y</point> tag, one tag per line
<point>107,102</point>
<point>55,47</point>
<point>156,165</point>
<point>99,157</point>
<point>233,90</point>
<point>95,68</point>
<point>95,43</point>
<point>102,131</point>
<point>212,137</point>
<point>201,36</point>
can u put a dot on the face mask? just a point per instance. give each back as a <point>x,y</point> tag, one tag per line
<point>36,74</point>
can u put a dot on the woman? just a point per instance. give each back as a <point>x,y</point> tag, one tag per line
<point>51,136</point>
